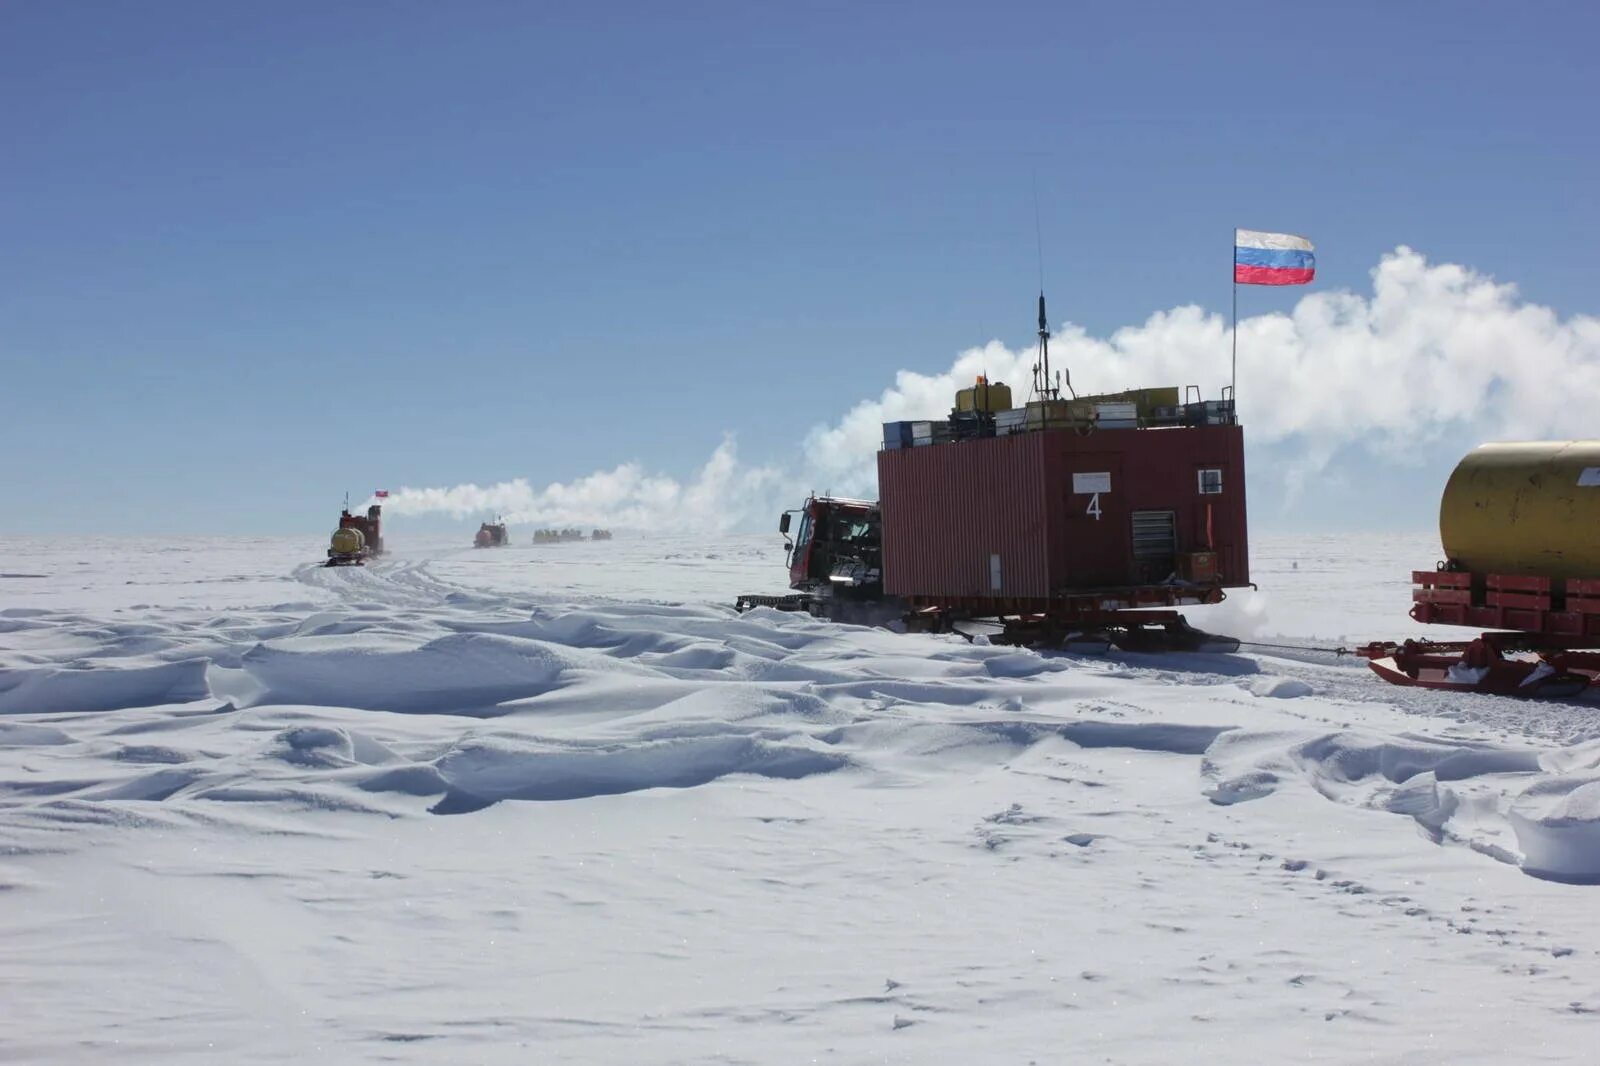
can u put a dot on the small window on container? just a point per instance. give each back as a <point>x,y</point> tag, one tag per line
<point>1211,482</point>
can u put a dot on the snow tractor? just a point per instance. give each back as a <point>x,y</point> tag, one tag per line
<point>835,561</point>
<point>491,535</point>
<point>1067,521</point>
<point>357,539</point>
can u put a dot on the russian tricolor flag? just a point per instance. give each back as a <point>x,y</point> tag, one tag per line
<point>1272,258</point>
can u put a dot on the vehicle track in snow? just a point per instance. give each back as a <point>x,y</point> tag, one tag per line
<point>1558,721</point>
<point>403,581</point>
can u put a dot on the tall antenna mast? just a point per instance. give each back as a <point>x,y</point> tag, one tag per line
<point>1041,367</point>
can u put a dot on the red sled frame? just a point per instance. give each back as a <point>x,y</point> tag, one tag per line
<point>1553,625</point>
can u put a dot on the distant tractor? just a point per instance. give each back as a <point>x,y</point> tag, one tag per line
<point>491,535</point>
<point>357,539</point>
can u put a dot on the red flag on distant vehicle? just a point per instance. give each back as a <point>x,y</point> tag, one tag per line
<point>382,494</point>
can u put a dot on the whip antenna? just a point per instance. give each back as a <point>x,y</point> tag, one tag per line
<point>1041,368</point>
<point>1038,230</point>
<point>1041,362</point>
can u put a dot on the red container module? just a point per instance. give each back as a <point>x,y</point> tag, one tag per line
<point>1026,521</point>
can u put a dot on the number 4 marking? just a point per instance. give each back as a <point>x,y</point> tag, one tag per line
<point>1094,506</point>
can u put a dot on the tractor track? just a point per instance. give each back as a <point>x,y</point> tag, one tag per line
<point>389,581</point>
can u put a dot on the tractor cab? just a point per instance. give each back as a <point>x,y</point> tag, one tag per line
<point>837,547</point>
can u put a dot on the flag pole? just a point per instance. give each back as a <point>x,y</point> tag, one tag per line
<point>1234,275</point>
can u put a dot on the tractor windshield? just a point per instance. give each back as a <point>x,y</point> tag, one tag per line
<point>802,536</point>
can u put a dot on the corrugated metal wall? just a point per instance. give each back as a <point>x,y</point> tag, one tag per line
<point>1152,470</point>
<point>1091,531</point>
<point>1006,517</point>
<point>960,519</point>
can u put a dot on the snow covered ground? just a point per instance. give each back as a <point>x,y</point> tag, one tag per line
<point>560,804</point>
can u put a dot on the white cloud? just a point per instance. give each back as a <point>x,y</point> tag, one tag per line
<point>1434,349</point>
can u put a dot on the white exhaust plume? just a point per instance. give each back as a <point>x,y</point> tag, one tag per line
<point>1435,349</point>
<point>723,495</point>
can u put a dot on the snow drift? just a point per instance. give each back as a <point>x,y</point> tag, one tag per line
<point>343,827</point>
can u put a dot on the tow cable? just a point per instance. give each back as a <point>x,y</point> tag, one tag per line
<point>1297,647</point>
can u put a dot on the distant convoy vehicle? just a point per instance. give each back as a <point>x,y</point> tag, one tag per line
<point>567,536</point>
<point>491,535</point>
<point>357,539</point>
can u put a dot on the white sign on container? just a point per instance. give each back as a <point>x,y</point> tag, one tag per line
<point>1590,478</point>
<point>1088,484</point>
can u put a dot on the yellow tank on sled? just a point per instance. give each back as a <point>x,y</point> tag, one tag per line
<point>1530,509</point>
<point>347,541</point>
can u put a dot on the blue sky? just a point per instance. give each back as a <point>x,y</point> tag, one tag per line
<point>256,256</point>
